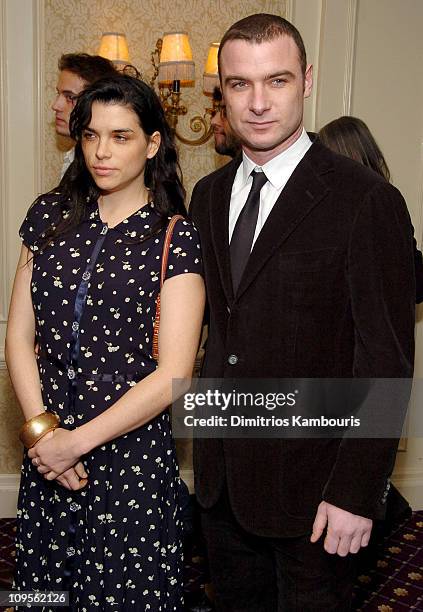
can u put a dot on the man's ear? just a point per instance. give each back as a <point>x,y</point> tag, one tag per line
<point>308,81</point>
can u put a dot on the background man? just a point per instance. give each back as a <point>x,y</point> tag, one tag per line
<point>308,276</point>
<point>76,71</point>
<point>225,141</point>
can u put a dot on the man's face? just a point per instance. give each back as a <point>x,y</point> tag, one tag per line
<point>264,90</point>
<point>225,142</point>
<point>68,87</point>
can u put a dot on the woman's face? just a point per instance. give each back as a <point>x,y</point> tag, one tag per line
<point>116,148</point>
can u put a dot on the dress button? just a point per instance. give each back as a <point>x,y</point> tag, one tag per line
<point>71,373</point>
<point>70,551</point>
<point>74,507</point>
<point>232,359</point>
<point>75,326</point>
<point>86,276</point>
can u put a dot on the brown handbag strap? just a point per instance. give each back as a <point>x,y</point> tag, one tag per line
<point>165,256</point>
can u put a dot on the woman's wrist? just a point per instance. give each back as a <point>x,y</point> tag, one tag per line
<point>37,427</point>
<point>81,443</point>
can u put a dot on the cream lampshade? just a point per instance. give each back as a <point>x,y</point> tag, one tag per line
<point>211,72</point>
<point>176,59</point>
<point>113,46</point>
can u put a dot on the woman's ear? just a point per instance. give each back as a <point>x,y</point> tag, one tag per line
<point>153,144</point>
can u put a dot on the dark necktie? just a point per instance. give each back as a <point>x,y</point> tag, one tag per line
<point>245,227</point>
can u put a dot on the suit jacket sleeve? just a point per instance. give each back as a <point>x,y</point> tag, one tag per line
<point>197,199</point>
<point>382,291</point>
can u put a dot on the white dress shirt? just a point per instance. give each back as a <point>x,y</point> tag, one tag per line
<point>68,158</point>
<point>278,171</point>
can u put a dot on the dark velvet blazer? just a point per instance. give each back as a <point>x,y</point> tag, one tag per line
<point>328,291</point>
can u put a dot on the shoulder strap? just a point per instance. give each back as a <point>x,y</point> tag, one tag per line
<point>165,256</point>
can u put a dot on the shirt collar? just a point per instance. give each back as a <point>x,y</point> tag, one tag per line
<point>69,156</point>
<point>273,169</point>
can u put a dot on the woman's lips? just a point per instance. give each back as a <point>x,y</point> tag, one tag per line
<point>102,170</point>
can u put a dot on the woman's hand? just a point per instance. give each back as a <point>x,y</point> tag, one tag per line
<point>55,453</point>
<point>74,478</point>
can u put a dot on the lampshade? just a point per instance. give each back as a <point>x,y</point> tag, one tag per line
<point>211,72</point>
<point>113,46</point>
<point>176,59</point>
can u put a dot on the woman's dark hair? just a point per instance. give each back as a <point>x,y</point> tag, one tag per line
<point>351,137</point>
<point>162,172</point>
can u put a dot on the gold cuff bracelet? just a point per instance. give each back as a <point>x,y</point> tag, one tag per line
<point>34,429</point>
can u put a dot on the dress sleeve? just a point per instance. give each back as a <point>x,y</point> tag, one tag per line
<point>41,215</point>
<point>184,250</point>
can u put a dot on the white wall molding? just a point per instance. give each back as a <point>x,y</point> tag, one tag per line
<point>409,480</point>
<point>21,49</point>
<point>350,51</point>
<point>316,65</point>
<point>3,164</point>
<point>309,18</point>
<point>290,10</point>
<point>9,488</point>
<point>39,89</point>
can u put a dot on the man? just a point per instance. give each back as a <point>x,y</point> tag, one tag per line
<point>309,272</point>
<point>225,142</point>
<point>76,71</point>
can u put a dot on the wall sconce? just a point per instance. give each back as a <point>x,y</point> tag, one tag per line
<point>173,68</point>
<point>114,47</point>
<point>211,71</point>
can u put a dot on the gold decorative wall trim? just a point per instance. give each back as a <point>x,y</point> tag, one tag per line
<point>350,55</point>
<point>9,488</point>
<point>3,165</point>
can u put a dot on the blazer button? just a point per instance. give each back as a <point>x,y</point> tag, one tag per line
<point>232,359</point>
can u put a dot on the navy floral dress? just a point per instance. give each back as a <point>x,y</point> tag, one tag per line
<point>116,544</point>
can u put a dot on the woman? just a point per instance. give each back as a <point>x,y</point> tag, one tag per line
<point>351,137</point>
<point>98,506</point>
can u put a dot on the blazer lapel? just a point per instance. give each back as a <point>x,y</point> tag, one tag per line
<point>219,223</point>
<point>304,190</point>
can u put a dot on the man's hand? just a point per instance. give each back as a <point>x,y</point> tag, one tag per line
<point>346,532</point>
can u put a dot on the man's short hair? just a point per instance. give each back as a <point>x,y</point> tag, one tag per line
<point>88,67</point>
<point>217,94</point>
<point>264,27</point>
